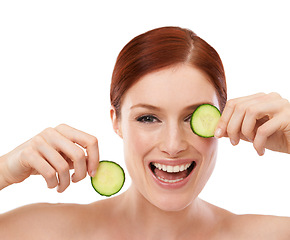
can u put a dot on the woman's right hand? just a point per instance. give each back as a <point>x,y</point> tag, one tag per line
<point>52,153</point>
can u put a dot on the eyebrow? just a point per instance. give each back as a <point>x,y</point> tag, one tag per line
<point>194,106</point>
<point>152,107</point>
<point>142,105</point>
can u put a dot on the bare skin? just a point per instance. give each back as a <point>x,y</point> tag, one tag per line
<point>108,219</point>
<point>146,210</point>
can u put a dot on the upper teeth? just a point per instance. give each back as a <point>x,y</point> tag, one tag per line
<point>170,169</point>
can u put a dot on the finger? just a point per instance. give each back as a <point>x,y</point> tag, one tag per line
<point>256,115</point>
<point>234,126</point>
<point>55,160</point>
<point>87,141</point>
<point>93,157</point>
<point>221,129</point>
<point>264,132</point>
<point>37,162</point>
<point>61,144</point>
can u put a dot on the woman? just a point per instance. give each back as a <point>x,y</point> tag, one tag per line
<point>160,77</point>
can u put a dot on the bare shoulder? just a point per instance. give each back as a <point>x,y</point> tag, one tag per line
<point>44,221</point>
<point>58,221</point>
<point>256,227</point>
<point>232,226</point>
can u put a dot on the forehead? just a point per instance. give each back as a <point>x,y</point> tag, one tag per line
<point>175,86</point>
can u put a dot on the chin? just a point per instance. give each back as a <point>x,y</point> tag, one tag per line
<point>173,203</point>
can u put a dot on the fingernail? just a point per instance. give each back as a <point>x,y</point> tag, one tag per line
<point>58,189</point>
<point>250,140</point>
<point>262,152</point>
<point>218,133</point>
<point>73,178</point>
<point>93,173</point>
<point>233,142</point>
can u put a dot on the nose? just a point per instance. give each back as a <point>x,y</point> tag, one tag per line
<point>173,140</point>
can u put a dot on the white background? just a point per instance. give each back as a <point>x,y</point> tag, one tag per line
<point>56,60</point>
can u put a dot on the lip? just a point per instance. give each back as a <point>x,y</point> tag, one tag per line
<point>175,185</point>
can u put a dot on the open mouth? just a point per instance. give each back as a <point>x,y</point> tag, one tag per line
<point>172,174</point>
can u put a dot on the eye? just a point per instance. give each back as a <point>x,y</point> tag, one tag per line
<point>148,119</point>
<point>187,119</point>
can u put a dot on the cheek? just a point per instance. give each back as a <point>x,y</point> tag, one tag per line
<point>207,146</point>
<point>136,141</point>
<point>137,144</point>
<point>208,149</point>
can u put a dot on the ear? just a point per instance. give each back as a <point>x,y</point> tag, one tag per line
<point>115,122</point>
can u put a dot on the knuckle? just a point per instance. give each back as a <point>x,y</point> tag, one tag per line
<point>231,103</point>
<point>48,131</point>
<point>50,174</point>
<point>240,107</point>
<point>93,141</point>
<point>79,155</point>
<point>61,126</point>
<point>63,168</point>
<point>27,152</point>
<point>37,141</point>
<point>261,131</point>
<point>261,94</point>
<point>251,110</point>
<point>274,95</point>
<point>246,132</point>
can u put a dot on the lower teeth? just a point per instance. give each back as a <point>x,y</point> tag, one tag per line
<point>170,181</point>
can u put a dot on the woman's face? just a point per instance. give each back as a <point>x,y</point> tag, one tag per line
<point>169,164</point>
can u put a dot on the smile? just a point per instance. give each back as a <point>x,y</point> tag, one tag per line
<point>171,173</point>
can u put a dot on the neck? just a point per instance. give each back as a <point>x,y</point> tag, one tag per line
<point>152,221</point>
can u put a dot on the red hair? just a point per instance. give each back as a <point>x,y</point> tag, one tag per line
<point>160,48</point>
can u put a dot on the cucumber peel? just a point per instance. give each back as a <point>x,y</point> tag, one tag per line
<point>204,120</point>
<point>109,178</point>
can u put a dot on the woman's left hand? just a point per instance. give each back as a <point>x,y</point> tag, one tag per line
<point>263,119</point>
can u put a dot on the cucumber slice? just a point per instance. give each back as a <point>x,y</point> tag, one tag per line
<point>109,179</point>
<point>204,120</point>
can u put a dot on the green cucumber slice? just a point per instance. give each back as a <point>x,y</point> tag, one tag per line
<point>109,179</point>
<point>204,120</point>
